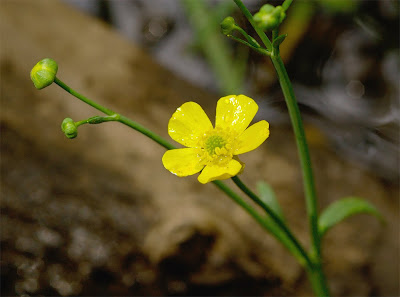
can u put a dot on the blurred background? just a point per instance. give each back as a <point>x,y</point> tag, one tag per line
<point>74,223</point>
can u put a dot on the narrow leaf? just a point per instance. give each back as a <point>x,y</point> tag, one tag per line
<point>268,197</point>
<point>344,208</point>
<point>279,40</point>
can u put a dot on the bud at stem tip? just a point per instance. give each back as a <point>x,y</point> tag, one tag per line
<point>228,25</point>
<point>44,73</point>
<point>69,128</point>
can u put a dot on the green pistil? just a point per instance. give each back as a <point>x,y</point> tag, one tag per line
<point>213,142</point>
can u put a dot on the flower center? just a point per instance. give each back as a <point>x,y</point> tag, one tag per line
<point>214,144</point>
<point>216,147</point>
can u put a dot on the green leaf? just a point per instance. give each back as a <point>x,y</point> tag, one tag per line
<point>344,208</point>
<point>279,40</point>
<point>268,197</point>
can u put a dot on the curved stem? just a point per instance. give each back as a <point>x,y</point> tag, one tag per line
<point>83,98</point>
<point>160,140</point>
<point>274,217</point>
<point>226,189</point>
<point>120,118</point>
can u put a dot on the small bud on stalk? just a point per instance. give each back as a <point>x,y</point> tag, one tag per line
<point>44,73</point>
<point>228,25</point>
<point>69,128</point>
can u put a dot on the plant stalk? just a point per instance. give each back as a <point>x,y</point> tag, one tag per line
<point>315,271</point>
<point>275,218</point>
<point>222,186</point>
<point>316,276</point>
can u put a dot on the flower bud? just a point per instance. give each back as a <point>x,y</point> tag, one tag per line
<point>69,128</point>
<point>44,73</point>
<point>228,25</point>
<point>267,8</point>
<point>269,17</point>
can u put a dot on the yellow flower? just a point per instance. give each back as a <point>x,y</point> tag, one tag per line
<point>213,151</point>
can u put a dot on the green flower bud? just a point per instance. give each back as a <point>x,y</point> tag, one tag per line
<point>69,128</point>
<point>267,8</point>
<point>269,17</point>
<point>44,73</point>
<point>228,25</point>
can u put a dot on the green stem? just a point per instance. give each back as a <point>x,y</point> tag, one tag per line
<point>83,98</point>
<point>132,124</point>
<point>226,189</point>
<point>235,197</point>
<point>286,4</point>
<point>274,217</point>
<point>317,277</point>
<point>317,280</point>
<point>304,155</point>
<point>157,138</point>
<point>260,32</point>
<point>250,39</point>
<point>120,118</point>
<point>260,50</point>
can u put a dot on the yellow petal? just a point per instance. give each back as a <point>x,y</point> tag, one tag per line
<point>188,124</point>
<point>215,172</point>
<point>235,112</point>
<point>182,162</point>
<point>252,137</point>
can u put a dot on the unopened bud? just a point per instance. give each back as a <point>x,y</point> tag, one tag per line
<point>269,17</point>
<point>69,128</point>
<point>228,25</point>
<point>44,73</point>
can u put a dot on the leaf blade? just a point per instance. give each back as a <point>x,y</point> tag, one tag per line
<point>268,197</point>
<point>342,209</point>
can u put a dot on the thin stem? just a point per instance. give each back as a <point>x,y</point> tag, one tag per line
<point>308,179</point>
<point>274,217</point>
<point>317,277</point>
<point>157,138</point>
<point>249,16</point>
<point>83,98</point>
<point>304,155</point>
<point>250,39</point>
<point>286,4</point>
<point>120,118</point>
<point>226,189</point>
<point>297,124</point>
<point>235,197</point>
<point>132,124</point>
<point>260,50</point>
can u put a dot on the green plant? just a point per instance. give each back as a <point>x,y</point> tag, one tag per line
<point>213,151</point>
